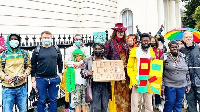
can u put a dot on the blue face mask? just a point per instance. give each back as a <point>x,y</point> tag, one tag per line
<point>14,43</point>
<point>78,43</point>
<point>46,41</point>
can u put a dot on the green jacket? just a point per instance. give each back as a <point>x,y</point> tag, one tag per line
<point>14,63</point>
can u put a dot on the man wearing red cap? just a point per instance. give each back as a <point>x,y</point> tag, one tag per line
<point>116,49</point>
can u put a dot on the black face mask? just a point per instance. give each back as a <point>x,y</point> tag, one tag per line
<point>145,47</point>
<point>98,53</point>
<point>153,44</point>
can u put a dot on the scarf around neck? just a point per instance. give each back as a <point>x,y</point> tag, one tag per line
<point>121,44</point>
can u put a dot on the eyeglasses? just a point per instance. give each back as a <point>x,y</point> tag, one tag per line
<point>78,39</point>
<point>120,32</point>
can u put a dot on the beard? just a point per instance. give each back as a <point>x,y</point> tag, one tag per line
<point>145,47</point>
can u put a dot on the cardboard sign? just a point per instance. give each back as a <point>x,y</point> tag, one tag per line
<point>99,37</point>
<point>108,70</point>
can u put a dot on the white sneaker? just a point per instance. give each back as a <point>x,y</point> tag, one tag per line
<point>159,108</point>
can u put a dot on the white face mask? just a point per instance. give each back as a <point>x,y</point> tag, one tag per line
<point>14,43</point>
<point>160,47</point>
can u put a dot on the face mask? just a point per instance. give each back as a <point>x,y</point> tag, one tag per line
<point>98,53</point>
<point>14,43</point>
<point>160,47</point>
<point>153,44</point>
<point>145,47</point>
<point>46,41</point>
<point>78,43</point>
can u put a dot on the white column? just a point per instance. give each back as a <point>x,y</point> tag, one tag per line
<point>172,15</point>
<point>152,15</point>
<point>166,15</point>
<point>160,12</point>
<point>178,14</point>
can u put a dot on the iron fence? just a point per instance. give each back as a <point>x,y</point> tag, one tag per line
<point>31,41</point>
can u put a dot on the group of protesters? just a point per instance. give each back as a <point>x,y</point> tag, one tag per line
<point>181,73</point>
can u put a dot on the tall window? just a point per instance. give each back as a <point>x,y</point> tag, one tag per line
<point>127,19</point>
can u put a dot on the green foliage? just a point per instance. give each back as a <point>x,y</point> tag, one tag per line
<point>196,17</point>
<point>188,20</point>
<point>197,27</point>
<point>197,14</point>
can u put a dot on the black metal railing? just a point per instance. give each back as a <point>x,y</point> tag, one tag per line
<point>31,41</point>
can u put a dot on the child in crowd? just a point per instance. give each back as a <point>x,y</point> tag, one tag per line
<point>78,95</point>
<point>100,90</point>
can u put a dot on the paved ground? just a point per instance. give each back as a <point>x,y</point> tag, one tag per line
<point>60,109</point>
<point>162,101</point>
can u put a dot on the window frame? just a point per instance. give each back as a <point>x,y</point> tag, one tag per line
<point>127,15</point>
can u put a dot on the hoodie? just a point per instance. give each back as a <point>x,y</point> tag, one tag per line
<point>14,62</point>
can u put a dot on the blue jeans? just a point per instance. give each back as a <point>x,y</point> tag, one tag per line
<point>48,86</point>
<point>192,97</point>
<point>11,96</point>
<point>173,99</point>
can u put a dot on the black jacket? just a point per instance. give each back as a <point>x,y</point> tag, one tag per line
<point>192,57</point>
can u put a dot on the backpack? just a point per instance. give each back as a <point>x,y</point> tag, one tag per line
<point>24,53</point>
<point>38,50</point>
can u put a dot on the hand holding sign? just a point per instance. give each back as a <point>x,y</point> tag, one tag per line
<point>90,72</point>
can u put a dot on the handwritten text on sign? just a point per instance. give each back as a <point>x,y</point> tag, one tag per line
<point>108,70</point>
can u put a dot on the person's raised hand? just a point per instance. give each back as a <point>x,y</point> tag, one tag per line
<point>162,26</point>
<point>137,26</point>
